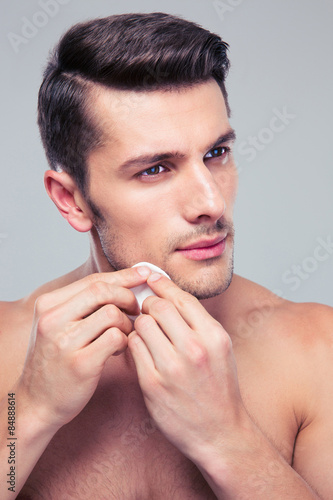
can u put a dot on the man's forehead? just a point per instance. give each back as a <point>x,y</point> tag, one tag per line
<point>156,115</point>
<point>111,102</point>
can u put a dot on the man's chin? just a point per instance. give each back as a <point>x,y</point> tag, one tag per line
<point>205,288</point>
<point>202,293</point>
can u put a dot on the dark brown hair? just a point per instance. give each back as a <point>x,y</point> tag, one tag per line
<point>130,52</point>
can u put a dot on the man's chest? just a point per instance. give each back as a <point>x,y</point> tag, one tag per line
<point>113,449</point>
<point>130,463</point>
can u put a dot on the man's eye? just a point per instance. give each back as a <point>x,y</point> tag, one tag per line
<point>153,170</point>
<point>216,152</point>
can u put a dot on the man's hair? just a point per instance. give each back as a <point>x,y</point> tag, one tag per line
<point>139,52</point>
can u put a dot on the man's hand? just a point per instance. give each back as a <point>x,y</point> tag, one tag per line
<point>75,330</point>
<point>186,370</point>
<point>188,377</point>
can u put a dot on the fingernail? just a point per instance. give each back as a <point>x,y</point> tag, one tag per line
<point>143,271</point>
<point>137,339</point>
<point>155,277</point>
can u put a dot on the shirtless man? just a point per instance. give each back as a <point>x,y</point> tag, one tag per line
<point>133,115</point>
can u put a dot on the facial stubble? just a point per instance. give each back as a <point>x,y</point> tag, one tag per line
<point>217,272</point>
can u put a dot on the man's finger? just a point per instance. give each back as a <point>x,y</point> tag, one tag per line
<point>170,321</point>
<point>87,302</point>
<point>110,343</point>
<point>156,342</point>
<point>126,278</point>
<point>143,360</point>
<point>194,314</point>
<point>89,329</point>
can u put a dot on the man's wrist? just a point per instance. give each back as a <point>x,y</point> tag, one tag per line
<point>241,459</point>
<point>33,420</point>
<point>249,466</point>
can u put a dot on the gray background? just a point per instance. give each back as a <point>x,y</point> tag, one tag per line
<point>281,53</point>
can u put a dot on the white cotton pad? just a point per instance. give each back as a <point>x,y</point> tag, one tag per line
<point>141,292</point>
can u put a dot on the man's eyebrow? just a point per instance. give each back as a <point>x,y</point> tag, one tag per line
<point>144,160</point>
<point>229,136</point>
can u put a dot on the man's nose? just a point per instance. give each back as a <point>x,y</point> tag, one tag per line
<point>201,196</point>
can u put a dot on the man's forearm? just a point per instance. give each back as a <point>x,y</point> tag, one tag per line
<point>252,469</point>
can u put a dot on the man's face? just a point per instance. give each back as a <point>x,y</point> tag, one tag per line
<point>164,184</point>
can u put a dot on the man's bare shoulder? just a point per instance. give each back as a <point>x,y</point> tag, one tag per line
<point>292,340</point>
<point>284,351</point>
<point>287,335</point>
<point>262,311</point>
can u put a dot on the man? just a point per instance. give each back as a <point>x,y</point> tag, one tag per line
<point>185,402</point>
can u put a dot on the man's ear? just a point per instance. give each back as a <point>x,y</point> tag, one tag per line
<point>64,193</point>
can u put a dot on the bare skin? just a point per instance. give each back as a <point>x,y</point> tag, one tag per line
<point>227,397</point>
<point>114,438</point>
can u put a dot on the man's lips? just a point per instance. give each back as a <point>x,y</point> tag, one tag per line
<point>204,243</point>
<point>204,249</point>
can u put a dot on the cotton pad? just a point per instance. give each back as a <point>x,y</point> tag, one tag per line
<point>141,292</point>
